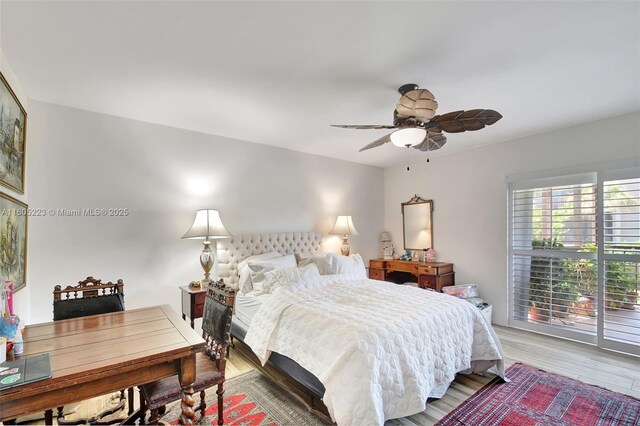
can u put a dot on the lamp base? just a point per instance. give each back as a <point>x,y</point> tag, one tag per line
<point>345,249</point>
<point>207,259</point>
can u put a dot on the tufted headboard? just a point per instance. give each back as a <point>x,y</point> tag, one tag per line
<point>231,252</point>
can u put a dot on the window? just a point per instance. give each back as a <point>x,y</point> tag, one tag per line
<point>556,258</point>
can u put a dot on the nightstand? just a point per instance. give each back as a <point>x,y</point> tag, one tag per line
<point>192,302</point>
<point>487,311</point>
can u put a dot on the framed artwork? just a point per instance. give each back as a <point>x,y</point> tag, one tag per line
<point>13,241</point>
<point>415,256</point>
<point>13,131</point>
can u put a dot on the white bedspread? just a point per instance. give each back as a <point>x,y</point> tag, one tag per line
<point>379,349</point>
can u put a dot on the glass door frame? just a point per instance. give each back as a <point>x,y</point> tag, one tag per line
<point>598,177</point>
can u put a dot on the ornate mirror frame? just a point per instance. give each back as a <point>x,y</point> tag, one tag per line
<point>420,214</point>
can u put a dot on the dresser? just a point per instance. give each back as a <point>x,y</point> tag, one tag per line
<point>433,275</point>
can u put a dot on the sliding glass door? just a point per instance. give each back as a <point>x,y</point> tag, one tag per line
<point>574,257</point>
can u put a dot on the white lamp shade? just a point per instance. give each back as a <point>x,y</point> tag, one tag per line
<point>344,226</point>
<point>207,224</point>
<point>385,237</point>
<point>408,136</point>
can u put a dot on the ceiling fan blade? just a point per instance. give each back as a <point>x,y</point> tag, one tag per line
<point>363,126</point>
<point>377,142</point>
<point>432,142</point>
<point>464,121</point>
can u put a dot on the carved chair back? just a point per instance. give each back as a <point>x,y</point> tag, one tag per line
<point>216,321</point>
<point>89,297</point>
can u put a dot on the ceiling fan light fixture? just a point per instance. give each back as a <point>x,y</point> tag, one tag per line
<point>409,136</point>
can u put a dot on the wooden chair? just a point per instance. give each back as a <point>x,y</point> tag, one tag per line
<point>89,297</point>
<point>210,364</point>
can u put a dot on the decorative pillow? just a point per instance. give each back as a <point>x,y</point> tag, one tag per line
<point>244,283</point>
<point>259,267</point>
<point>308,255</point>
<point>321,262</point>
<point>280,277</point>
<point>346,265</point>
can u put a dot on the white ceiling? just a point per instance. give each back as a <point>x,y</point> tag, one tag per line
<point>281,73</point>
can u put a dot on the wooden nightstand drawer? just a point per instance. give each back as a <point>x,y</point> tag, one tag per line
<point>200,297</point>
<point>198,306</point>
<point>198,310</point>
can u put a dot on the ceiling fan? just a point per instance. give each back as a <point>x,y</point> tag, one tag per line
<point>418,126</point>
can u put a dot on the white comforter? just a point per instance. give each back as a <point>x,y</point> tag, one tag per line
<point>379,349</point>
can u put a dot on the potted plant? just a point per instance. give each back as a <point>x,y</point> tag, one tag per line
<point>563,297</point>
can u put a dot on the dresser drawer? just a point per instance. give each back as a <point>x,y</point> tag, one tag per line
<point>376,264</point>
<point>428,281</point>
<point>376,274</point>
<point>429,270</point>
<point>406,267</point>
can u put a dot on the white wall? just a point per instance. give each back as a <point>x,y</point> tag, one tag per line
<point>78,159</point>
<point>21,298</point>
<point>469,190</point>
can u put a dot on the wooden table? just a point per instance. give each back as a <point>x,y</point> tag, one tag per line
<point>95,355</point>
<point>192,302</point>
<point>433,275</point>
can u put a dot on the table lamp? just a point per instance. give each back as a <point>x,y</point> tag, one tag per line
<point>207,225</point>
<point>344,226</point>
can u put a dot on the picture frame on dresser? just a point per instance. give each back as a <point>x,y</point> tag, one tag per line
<point>13,241</point>
<point>13,131</point>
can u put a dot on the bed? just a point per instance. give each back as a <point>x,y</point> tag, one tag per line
<point>372,350</point>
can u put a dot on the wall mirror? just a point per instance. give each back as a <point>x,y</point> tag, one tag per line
<point>417,224</point>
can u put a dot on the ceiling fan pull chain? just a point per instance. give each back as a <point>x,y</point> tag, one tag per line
<point>408,168</point>
<point>428,140</point>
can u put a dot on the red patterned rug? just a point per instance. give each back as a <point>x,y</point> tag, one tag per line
<point>537,398</point>
<point>252,400</point>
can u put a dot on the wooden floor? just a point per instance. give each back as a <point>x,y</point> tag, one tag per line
<point>576,360</point>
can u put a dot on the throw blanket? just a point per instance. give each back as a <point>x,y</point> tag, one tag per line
<point>379,349</point>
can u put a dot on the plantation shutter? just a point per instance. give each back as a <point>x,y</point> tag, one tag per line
<point>553,246</point>
<point>621,253</point>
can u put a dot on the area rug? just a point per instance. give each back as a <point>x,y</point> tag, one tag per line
<point>535,397</point>
<point>252,400</point>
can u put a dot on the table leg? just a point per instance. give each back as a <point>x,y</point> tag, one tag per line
<point>187,377</point>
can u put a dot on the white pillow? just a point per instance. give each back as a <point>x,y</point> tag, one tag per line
<point>320,260</point>
<point>259,267</point>
<point>244,283</point>
<point>280,277</point>
<point>353,265</point>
